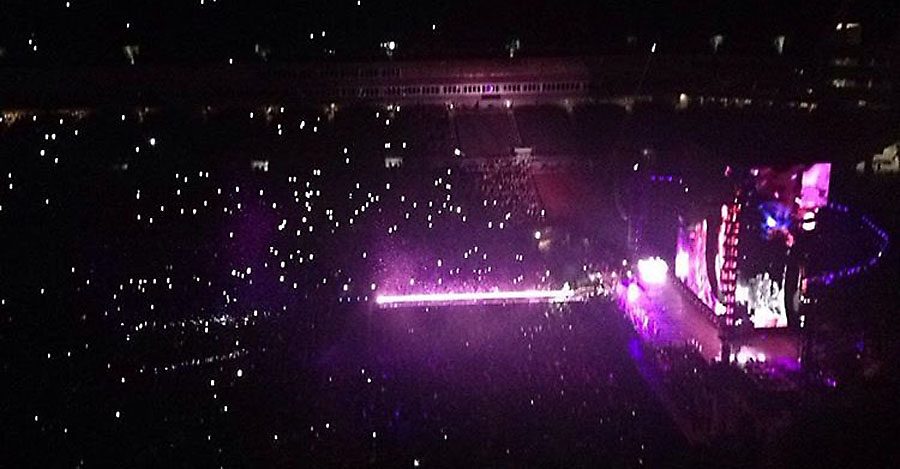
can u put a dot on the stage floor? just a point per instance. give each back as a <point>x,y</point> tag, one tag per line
<point>678,320</point>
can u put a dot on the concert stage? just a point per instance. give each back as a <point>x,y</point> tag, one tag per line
<point>667,314</point>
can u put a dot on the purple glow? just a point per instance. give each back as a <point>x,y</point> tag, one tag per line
<point>814,186</point>
<point>468,297</point>
<point>828,277</point>
<point>633,293</point>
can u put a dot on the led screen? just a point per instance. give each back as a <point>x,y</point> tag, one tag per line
<point>814,186</point>
<point>763,296</point>
<point>798,189</point>
<point>690,263</point>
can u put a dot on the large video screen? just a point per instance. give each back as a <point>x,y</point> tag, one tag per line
<point>690,263</point>
<point>797,190</point>
<point>763,296</point>
<point>784,201</point>
<point>814,186</point>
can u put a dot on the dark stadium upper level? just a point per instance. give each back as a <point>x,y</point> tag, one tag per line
<point>680,80</point>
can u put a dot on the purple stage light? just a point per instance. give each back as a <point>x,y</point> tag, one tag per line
<point>653,270</point>
<point>682,264</point>
<point>633,293</point>
<point>470,297</point>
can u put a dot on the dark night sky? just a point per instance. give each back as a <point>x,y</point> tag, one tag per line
<point>93,31</point>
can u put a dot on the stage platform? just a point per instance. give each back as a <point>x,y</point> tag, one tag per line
<point>674,318</point>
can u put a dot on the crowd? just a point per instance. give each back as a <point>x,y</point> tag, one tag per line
<point>203,283</point>
<point>176,282</point>
<point>507,185</point>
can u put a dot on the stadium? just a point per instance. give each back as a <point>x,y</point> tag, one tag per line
<point>430,261</point>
